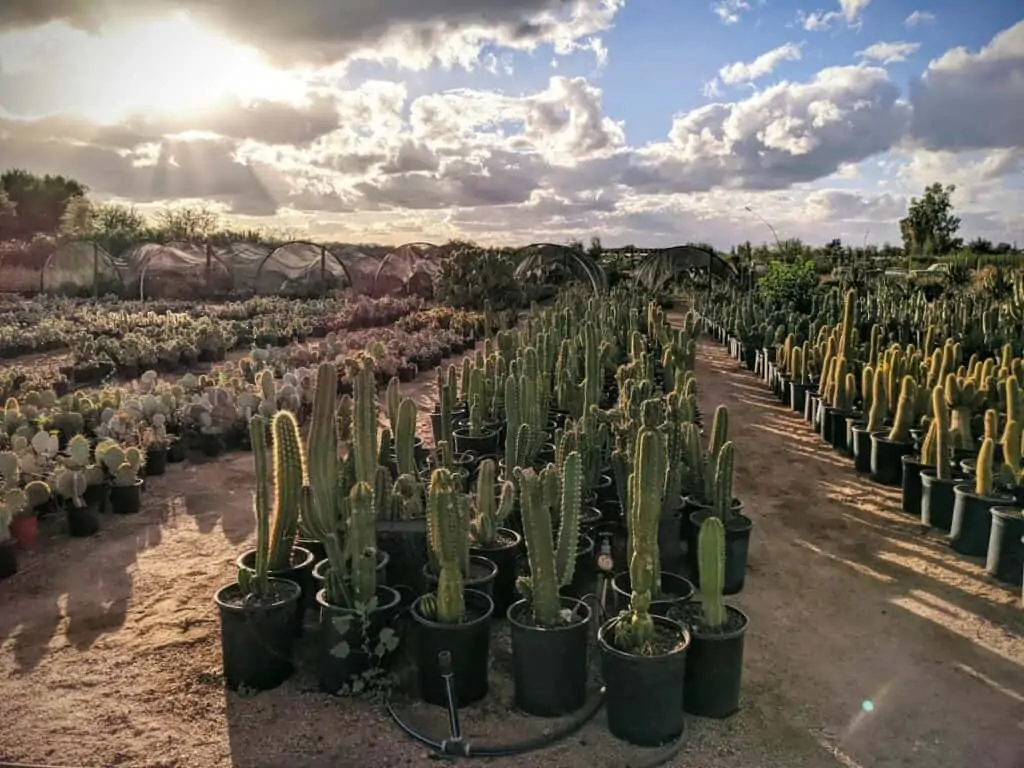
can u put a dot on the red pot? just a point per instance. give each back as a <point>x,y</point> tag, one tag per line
<point>25,530</point>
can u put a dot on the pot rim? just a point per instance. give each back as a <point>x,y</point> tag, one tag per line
<point>607,647</point>
<point>306,560</point>
<point>1008,512</point>
<point>508,531</point>
<point>394,598</point>
<point>998,499</point>
<point>620,589</point>
<point>476,594</point>
<point>566,601</point>
<point>738,632</point>
<point>218,597</point>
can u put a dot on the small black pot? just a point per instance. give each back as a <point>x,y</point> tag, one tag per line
<point>644,694</point>
<point>300,572</point>
<point>798,396</point>
<point>605,490</point>
<point>937,500</point>
<point>156,460</point>
<point>972,520</point>
<point>316,547</point>
<point>506,557</point>
<point>811,402</point>
<point>737,548</point>
<point>833,427</point>
<point>336,670</point>
<point>690,532</point>
<point>256,640</point>
<point>675,592</point>
<point>886,459</point>
<point>484,444</point>
<point>549,665</point>
<point>176,452</point>
<point>8,558</point>
<point>82,521</point>
<point>97,496</point>
<point>126,499</point>
<point>714,667</point>
<point>911,496</point>
<point>468,643</point>
<point>483,580</point>
<point>1005,558</point>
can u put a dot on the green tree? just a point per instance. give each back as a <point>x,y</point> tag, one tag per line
<point>930,227</point>
<point>40,201</point>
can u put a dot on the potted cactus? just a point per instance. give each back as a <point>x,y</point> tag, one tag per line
<point>452,619</point>
<point>73,481</point>
<point>492,504</point>
<point>477,436</point>
<point>15,502</point>
<point>1005,557</point>
<point>549,631</point>
<point>257,613</point>
<point>356,608</point>
<point>714,662</point>
<point>122,467</point>
<point>874,403</point>
<point>938,478</point>
<point>888,449</point>
<point>157,443</point>
<point>643,656</point>
<point>971,525</point>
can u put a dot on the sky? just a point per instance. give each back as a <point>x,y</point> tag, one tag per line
<point>652,122</point>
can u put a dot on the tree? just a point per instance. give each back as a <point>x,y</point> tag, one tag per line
<point>8,217</point>
<point>40,201</point>
<point>930,226</point>
<point>188,222</point>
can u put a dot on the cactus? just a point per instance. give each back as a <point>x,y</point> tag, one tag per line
<point>721,500</point>
<point>711,566</point>
<point>362,543</point>
<point>904,420</point>
<point>984,483</point>
<point>365,423</point>
<point>289,475</point>
<point>256,581</point>
<point>491,509</point>
<point>928,447</point>
<point>943,439</point>
<point>445,533</point>
<point>879,402</point>
<point>405,437</point>
<point>1011,469</point>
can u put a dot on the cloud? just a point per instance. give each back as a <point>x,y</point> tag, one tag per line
<point>414,34</point>
<point>730,11</point>
<point>765,64</point>
<point>970,100</point>
<point>849,11</point>
<point>919,17</point>
<point>889,53</point>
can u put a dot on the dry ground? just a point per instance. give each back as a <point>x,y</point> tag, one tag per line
<point>110,649</point>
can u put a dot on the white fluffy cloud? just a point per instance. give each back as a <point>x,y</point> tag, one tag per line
<point>889,53</point>
<point>849,12</point>
<point>917,18</point>
<point>730,11</point>
<point>765,64</point>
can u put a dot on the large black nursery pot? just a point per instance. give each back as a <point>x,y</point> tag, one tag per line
<point>911,493</point>
<point>256,638</point>
<point>737,549</point>
<point>469,647</point>
<point>126,499</point>
<point>482,575</point>
<point>349,640</point>
<point>675,592</point>
<point>484,444</point>
<point>549,665</point>
<point>1005,558</point>
<point>323,566</point>
<point>937,500</point>
<point>714,665</point>
<point>156,460</point>
<point>644,694</point>
<point>405,541</point>
<point>972,520</point>
<point>833,428</point>
<point>504,553</point>
<point>798,395</point>
<point>861,446</point>
<point>300,572</point>
<point>8,558</point>
<point>887,459</point>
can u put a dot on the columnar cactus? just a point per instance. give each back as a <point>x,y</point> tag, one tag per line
<point>711,566</point>
<point>405,437</point>
<point>879,401</point>
<point>362,543</point>
<point>721,499</point>
<point>943,439</point>
<point>491,509</point>
<point>904,419</point>
<point>289,463</point>
<point>255,582</point>
<point>446,535</point>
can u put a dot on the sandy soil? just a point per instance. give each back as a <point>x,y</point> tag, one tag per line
<point>111,652</point>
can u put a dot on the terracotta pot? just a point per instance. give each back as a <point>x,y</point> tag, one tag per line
<point>25,530</point>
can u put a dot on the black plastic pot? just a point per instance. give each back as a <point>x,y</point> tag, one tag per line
<point>8,558</point>
<point>1005,558</point>
<point>356,635</point>
<point>675,592</point>
<point>911,494</point>
<point>482,575</point>
<point>644,694</point>
<point>126,499</point>
<point>670,550</point>
<point>316,547</point>
<point>82,521</point>
<point>833,426</point>
<point>811,402</point>
<point>176,452</point>
<point>469,645</point>
<point>506,557</point>
<point>484,444</point>
<point>605,490</point>
<point>737,548</point>
<point>714,667</point>
<point>798,396</point>
<point>156,460</point>
<point>887,459</point>
<point>549,665</point>
<point>690,532</point>
<point>972,520</point>
<point>256,639</point>
<point>937,500</point>
<point>300,572</point>
<point>861,448</point>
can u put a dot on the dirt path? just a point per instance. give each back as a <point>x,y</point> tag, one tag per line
<point>110,649</point>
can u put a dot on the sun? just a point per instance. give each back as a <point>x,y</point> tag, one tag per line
<point>171,65</point>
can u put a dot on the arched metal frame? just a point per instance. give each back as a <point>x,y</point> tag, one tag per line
<point>387,257</point>
<point>531,258</point>
<point>96,250</point>
<point>662,264</point>
<point>211,255</point>
<point>324,250</point>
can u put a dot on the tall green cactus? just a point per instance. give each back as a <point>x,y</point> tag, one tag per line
<point>984,482</point>
<point>362,543</point>
<point>943,440</point>
<point>904,419</point>
<point>405,437</point>
<point>491,509</point>
<point>445,533</point>
<point>255,582</point>
<point>570,504</point>
<point>365,423</point>
<point>711,566</point>
<point>721,500</point>
<point>289,475</point>
<point>879,401</point>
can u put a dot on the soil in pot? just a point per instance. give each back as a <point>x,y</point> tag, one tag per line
<point>644,694</point>
<point>256,637</point>
<point>469,645</point>
<point>737,548</point>
<point>1005,558</point>
<point>126,499</point>
<point>972,520</point>
<point>549,664</point>
<point>504,552</point>
<point>675,592</point>
<point>300,572</point>
<point>156,460</point>
<point>8,558</point>
<point>714,663</point>
<point>351,644</point>
<point>482,575</point>
<point>484,444</point>
<point>937,500</point>
<point>887,459</point>
<point>911,493</point>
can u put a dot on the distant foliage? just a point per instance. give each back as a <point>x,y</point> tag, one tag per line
<point>472,276</point>
<point>789,285</point>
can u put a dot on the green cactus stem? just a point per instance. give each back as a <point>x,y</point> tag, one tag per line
<point>445,533</point>
<point>491,509</point>
<point>289,475</point>
<point>943,439</point>
<point>362,543</point>
<point>904,419</point>
<point>711,566</point>
<point>984,483</point>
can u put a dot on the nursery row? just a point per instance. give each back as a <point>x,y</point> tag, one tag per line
<point>567,455</point>
<point>943,425</point>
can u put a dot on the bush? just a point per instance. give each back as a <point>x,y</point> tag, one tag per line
<point>471,277</point>
<point>789,285</point>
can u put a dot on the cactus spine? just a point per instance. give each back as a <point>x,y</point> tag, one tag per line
<point>904,419</point>
<point>289,476</point>
<point>445,532</point>
<point>984,483</point>
<point>711,566</point>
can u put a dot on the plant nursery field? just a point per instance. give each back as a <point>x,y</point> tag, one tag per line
<point>870,644</point>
